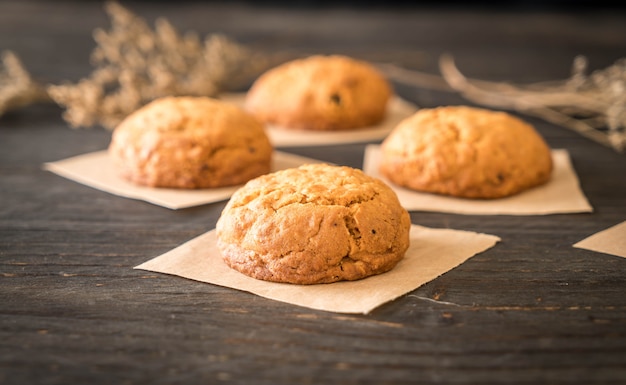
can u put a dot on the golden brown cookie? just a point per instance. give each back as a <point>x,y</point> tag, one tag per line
<point>465,152</point>
<point>190,142</point>
<point>323,93</point>
<point>317,223</point>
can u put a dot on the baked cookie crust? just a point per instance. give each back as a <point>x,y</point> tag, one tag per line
<point>313,224</point>
<point>465,152</point>
<point>190,143</point>
<point>320,93</point>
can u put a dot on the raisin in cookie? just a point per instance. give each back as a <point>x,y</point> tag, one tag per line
<point>465,152</point>
<point>317,223</point>
<point>323,93</point>
<point>190,142</point>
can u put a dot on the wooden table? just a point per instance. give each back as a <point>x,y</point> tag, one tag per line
<point>532,309</point>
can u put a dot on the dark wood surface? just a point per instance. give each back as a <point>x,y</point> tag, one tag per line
<point>531,310</point>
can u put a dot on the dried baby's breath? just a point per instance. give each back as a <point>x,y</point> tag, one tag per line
<point>17,88</point>
<point>593,105</point>
<point>135,64</point>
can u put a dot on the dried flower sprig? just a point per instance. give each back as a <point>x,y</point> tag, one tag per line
<point>135,64</point>
<point>592,105</point>
<point>17,88</point>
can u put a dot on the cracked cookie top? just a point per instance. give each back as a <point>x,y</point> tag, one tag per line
<point>317,223</point>
<point>321,93</point>
<point>190,142</point>
<point>465,152</point>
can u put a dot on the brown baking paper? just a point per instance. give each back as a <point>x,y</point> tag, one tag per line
<point>432,252</point>
<point>562,194</point>
<point>96,170</point>
<point>610,241</point>
<point>397,110</point>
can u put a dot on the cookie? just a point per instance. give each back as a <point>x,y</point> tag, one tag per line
<point>317,223</point>
<point>465,152</point>
<point>321,93</point>
<point>190,143</point>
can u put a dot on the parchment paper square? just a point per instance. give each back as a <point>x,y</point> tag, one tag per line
<point>562,194</point>
<point>398,109</point>
<point>610,241</point>
<point>432,252</point>
<point>96,170</point>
